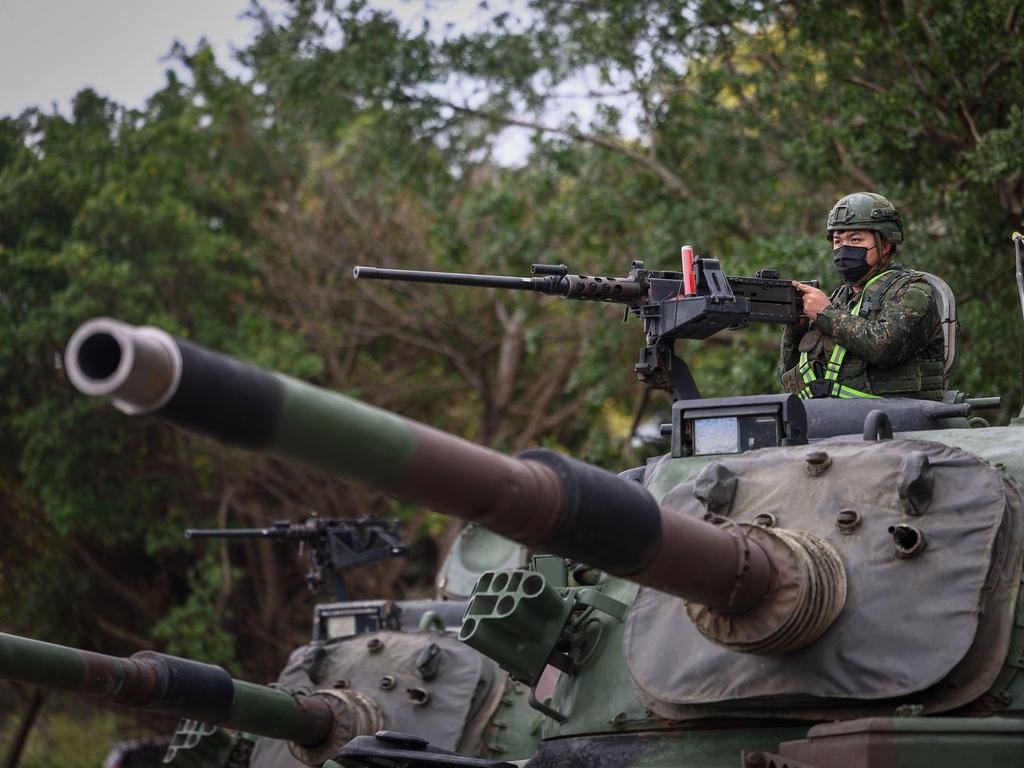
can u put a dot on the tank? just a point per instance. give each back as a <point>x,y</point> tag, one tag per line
<point>315,724</point>
<point>820,583</point>
<point>345,684</point>
<point>401,655</point>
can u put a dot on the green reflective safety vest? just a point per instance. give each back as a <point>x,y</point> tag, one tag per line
<point>922,376</point>
<point>832,387</point>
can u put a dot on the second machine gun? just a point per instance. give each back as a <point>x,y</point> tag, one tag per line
<point>693,304</point>
<point>333,545</point>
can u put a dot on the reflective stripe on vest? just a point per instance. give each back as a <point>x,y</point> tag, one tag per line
<point>833,388</point>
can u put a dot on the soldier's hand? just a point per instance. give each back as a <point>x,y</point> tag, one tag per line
<point>815,299</point>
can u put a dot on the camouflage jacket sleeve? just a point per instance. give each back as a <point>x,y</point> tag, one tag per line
<point>902,329</point>
<point>789,356</point>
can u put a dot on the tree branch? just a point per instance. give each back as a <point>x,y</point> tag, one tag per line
<point>908,65</point>
<point>225,563</point>
<point>138,602</point>
<point>35,704</point>
<point>640,158</point>
<point>867,84</point>
<point>122,634</point>
<point>854,170</point>
<point>941,53</point>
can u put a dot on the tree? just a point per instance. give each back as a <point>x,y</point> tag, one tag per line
<point>231,211</point>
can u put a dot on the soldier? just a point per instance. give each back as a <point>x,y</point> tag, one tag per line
<point>879,333</point>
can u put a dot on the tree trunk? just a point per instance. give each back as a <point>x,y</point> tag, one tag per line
<point>35,703</point>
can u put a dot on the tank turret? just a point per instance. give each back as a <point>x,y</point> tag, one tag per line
<point>866,575</point>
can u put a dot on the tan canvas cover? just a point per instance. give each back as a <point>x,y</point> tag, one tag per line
<point>463,695</point>
<point>910,628</point>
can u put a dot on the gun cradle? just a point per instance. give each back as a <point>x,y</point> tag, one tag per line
<point>695,317</point>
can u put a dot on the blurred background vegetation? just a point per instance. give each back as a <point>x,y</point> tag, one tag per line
<point>231,210</point>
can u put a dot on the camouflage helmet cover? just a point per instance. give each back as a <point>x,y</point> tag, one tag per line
<point>866,210</point>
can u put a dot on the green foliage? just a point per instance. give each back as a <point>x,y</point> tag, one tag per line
<point>192,629</point>
<point>70,735</point>
<point>755,117</point>
<point>231,211</point>
<point>111,212</point>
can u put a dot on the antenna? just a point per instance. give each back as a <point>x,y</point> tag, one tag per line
<point>1018,238</point>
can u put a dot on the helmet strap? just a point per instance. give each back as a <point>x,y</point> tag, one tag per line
<point>883,258</point>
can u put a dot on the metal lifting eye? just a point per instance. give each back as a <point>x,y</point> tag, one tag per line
<point>877,426</point>
<point>818,463</point>
<point>848,520</point>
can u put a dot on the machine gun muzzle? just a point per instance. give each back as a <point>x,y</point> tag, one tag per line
<point>546,501</point>
<point>317,724</point>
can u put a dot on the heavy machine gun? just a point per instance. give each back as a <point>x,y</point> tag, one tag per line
<point>333,545</point>
<point>693,304</point>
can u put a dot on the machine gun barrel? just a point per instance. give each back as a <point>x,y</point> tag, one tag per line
<point>172,685</point>
<point>537,284</point>
<point>555,281</point>
<point>544,500</point>
<point>237,533</point>
<point>370,539</point>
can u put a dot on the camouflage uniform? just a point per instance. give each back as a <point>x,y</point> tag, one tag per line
<point>894,347</point>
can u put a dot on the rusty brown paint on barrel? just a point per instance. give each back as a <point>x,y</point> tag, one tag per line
<point>518,499</point>
<point>717,567</point>
<point>523,500</point>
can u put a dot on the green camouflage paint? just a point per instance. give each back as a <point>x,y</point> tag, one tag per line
<point>43,663</point>
<point>266,711</point>
<point>337,434</point>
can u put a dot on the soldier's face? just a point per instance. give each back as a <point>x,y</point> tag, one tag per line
<point>861,238</point>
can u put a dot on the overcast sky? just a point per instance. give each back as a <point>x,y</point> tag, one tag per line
<point>51,49</point>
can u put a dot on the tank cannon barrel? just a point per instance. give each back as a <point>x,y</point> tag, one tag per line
<point>172,685</point>
<point>542,499</point>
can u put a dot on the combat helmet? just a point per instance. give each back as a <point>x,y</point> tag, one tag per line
<point>866,210</point>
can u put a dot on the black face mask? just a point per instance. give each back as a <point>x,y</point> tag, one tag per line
<point>851,262</point>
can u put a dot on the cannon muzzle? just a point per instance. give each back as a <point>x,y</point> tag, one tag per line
<point>546,501</point>
<point>317,724</point>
